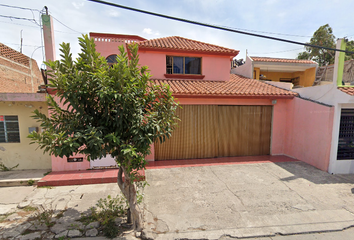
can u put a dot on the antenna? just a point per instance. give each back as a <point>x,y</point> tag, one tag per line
<point>21,41</point>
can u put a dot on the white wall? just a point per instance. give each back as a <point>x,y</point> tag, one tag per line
<point>245,70</point>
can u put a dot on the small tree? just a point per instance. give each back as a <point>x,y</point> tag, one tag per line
<point>323,37</point>
<point>99,110</point>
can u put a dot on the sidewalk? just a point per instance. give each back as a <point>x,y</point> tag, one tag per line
<point>99,176</point>
<point>21,177</point>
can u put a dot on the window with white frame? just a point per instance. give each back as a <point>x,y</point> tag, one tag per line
<point>9,129</point>
<point>183,65</point>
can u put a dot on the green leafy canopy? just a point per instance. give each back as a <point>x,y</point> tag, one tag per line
<point>98,110</point>
<point>324,37</point>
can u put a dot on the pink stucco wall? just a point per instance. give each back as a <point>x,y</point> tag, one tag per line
<point>106,48</point>
<point>61,164</point>
<point>309,132</point>
<point>214,67</point>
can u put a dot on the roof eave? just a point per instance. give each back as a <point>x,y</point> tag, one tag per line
<point>232,54</point>
<point>252,96</point>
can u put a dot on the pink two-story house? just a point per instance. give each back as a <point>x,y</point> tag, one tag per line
<point>224,114</point>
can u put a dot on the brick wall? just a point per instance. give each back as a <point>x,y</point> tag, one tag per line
<point>18,73</point>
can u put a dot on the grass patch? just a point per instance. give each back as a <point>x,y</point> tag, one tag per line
<point>49,187</point>
<point>29,209</point>
<point>45,174</point>
<point>30,182</point>
<point>3,217</point>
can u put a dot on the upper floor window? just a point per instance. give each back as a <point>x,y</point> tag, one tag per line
<point>111,59</point>
<point>183,65</point>
<point>9,129</point>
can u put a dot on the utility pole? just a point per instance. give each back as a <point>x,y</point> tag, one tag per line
<point>48,35</point>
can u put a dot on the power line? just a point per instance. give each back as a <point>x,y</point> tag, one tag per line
<point>31,9</point>
<point>296,49</point>
<point>273,33</point>
<point>66,25</point>
<point>34,27</point>
<point>19,24</point>
<point>22,44</point>
<point>215,27</point>
<point>19,18</point>
<point>23,8</point>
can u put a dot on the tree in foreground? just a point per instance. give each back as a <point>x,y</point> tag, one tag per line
<point>98,110</point>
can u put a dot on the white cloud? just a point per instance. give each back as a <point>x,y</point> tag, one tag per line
<point>150,32</point>
<point>78,4</point>
<point>113,13</point>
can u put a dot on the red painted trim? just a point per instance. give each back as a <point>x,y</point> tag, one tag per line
<point>110,35</point>
<point>231,54</point>
<point>184,76</point>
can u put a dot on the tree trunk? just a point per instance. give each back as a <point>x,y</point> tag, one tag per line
<point>129,191</point>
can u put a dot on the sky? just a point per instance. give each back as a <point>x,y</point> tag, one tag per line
<point>292,20</point>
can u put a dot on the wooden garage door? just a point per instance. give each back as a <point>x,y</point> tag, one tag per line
<point>195,136</point>
<point>207,131</point>
<point>244,130</point>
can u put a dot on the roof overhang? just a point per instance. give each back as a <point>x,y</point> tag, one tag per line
<point>23,97</point>
<point>283,67</point>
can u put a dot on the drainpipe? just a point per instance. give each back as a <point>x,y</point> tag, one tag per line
<point>48,35</point>
<point>339,62</point>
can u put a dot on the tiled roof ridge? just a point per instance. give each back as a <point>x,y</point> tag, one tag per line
<point>236,86</point>
<point>12,54</point>
<point>264,59</point>
<point>177,42</point>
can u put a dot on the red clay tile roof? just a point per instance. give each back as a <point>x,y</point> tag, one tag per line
<point>283,60</point>
<point>347,90</point>
<point>13,55</point>
<point>237,86</point>
<point>184,44</point>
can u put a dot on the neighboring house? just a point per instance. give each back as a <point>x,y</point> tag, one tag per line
<point>224,114</point>
<point>341,159</point>
<point>19,82</point>
<point>325,74</point>
<point>300,73</point>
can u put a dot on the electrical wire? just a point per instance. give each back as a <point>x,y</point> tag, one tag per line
<point>31,9</point>
<point>272,33</point>
<point>23,8</point>
<point>66,25</point>
<point>19,24</point>
<point>19,18</point>
<point>215,27</point>
<point>296,49</point>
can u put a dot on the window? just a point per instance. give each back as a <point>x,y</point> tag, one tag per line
<point>346,135</point>
<point>9,129</point>
<point>183,65</point>
<point>111,59</point>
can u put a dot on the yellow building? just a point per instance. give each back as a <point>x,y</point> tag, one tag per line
<point>19,81</point>
<point>300,73</point>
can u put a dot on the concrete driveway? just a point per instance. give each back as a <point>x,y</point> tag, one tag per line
<point>246,200</point>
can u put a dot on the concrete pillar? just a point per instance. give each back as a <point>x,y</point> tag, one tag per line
<point>48,35</point>
<point>339,62</point>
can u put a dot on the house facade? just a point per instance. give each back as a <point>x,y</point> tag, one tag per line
<point>299,73</point>
<point>222,114</point>
<point>19,81</point>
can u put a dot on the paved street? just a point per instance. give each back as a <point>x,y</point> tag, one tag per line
<point>263,200</point>
<point>246,200</point>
